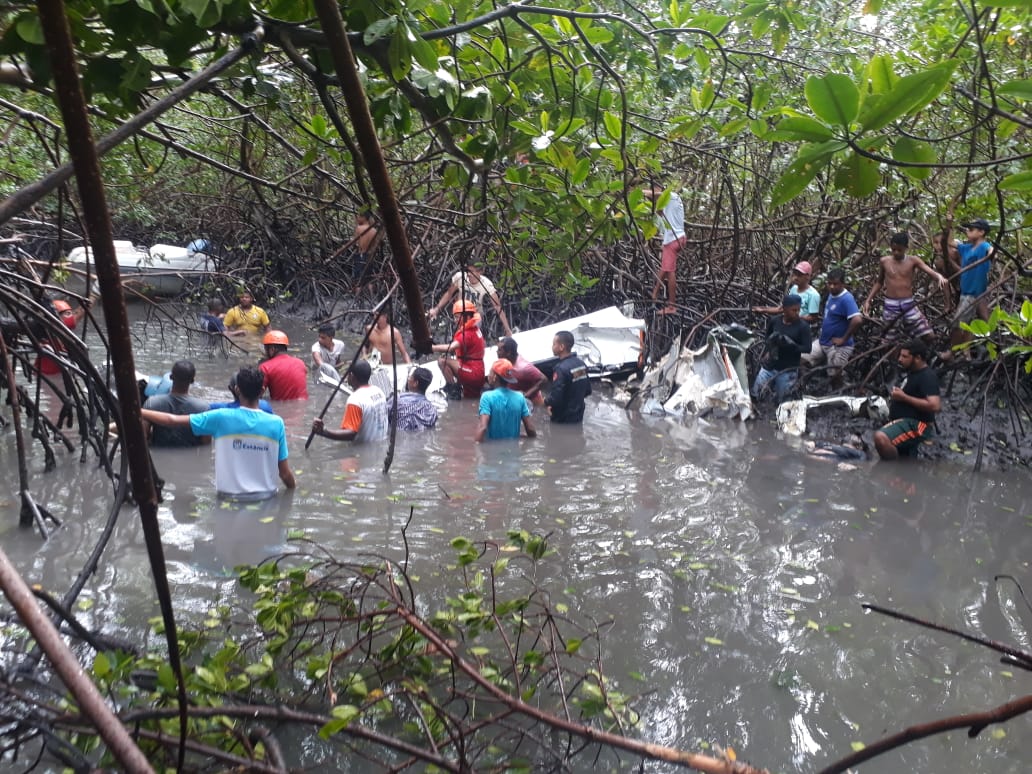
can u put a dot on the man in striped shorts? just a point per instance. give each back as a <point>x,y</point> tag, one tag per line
<point>903,318</point>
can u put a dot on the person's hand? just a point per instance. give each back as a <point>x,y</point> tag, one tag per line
<point>866,309</point>
<point>839,341</point>
<point>317,426</point>
<point>943,282</point>
<point>898,394</point>
<point>431,314</point>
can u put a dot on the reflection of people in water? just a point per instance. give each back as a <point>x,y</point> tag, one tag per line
<point>248,533</point>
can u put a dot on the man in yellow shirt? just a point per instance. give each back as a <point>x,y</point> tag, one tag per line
<point>246,316</point>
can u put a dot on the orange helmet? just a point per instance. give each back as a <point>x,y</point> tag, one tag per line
<point>62,307</point>
<point>276,337</point>
<point>464,307</point>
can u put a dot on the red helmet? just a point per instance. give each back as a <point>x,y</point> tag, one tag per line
<point>276,337</point>
<point>464,307</point>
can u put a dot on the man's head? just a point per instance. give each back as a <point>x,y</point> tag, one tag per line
<point>976,229</point>
<point>360,373</point>
<point>790,305</point>
<point>215,306</point>
<point>275,342</point>
<point>507,348</point>
<point>419,380</point>
<point>836,281</point>
<point>246,299</point>
<point>501,373</point>
<point>382,320</point>
<point>249,383</point>
<point>801,273</point>
<point>913,356</point>
<point>326,332</point>
<point>898,244</point>
<point>183,373</point>
<point>463,310</point>
<point>562,344</point>
<point>364,217</point>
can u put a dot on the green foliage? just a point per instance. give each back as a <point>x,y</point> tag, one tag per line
<point>1004,334</point>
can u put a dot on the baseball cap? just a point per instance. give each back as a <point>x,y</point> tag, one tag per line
<point>502,368</point>
<point>979,223</point>
<point>803,267</point>
<point>791,300</point>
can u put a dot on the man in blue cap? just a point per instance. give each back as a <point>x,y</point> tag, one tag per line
<point>788,337</point>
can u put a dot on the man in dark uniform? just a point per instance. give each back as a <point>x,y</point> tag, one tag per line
<point>912,407</point>
<point>570,384</point>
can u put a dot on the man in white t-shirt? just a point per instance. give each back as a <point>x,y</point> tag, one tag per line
<point>327,352</point>
<point>473,286</point>
<point>365,415</point>
<point>670,221</point>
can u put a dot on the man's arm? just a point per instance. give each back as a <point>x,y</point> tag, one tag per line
<point>931,404</point>
<point>317,356</point>
<point>852,327</point>
<point>165,419</point>
<point>400,344</point>
<point>334,435</point>
<point>451,291</point>
<point>529,427</point>
<point>481,433</point>
<point>538,387</point>
<point>877,286</point>
<point>286,474</point>
<point>497,303</point>
<point>560,385</point>
<point>943,282</point>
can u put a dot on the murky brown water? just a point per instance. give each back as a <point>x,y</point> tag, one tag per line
<point>676,533</point>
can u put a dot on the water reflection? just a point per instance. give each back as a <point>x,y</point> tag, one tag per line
<point>728,565</point>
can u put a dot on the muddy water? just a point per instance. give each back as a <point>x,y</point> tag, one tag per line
<point>730,565</point>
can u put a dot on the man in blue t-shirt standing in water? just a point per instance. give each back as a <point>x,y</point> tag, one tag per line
<point>503,409</point>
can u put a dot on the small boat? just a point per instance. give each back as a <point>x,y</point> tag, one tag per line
<point>162,270</point>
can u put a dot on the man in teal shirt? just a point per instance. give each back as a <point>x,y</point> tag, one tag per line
<point>503,409</point>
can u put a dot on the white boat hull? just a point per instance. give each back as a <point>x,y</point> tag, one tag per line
<point>164,270</point>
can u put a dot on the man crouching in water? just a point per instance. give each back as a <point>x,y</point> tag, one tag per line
<point>912,407</point>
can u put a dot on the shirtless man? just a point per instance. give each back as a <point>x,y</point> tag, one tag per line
<point>364,238</point>
<point>896,275</point>
<point>380,340</point>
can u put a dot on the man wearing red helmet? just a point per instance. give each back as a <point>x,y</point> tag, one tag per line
<point>465,371</point>
<point>286,376</point>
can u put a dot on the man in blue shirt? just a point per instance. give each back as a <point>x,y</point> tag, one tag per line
<point>975,262</point>
<point>502,409</point>
<point>842,318</point>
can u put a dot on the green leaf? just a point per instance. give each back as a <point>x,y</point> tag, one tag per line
<point>1020,88</point>
<point>733,127</point>
<point>342,716</point>
<point>879,74</point>
<point>910,94</point>
<point>835,98</point>
<point>810,160</point>
<point>914,151</point>
<point>101,665</point>
<point>423,51</point>
<point>30,30</point>
<point>381,28</point>
<point>1020,181</point>
<point>613,124</point>
<point>801,128</point>
<point>858,176</point>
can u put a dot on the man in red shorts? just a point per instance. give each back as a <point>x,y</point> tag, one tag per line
<point>464,373</point>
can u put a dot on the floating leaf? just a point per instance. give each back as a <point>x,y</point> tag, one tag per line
<point>811,624</point>
<point>999,733</point>
<point>713,641</point>
<point>857,746</point>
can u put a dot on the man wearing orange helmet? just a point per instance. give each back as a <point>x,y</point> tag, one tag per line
<point>464,371</point>
<point>286,376</point>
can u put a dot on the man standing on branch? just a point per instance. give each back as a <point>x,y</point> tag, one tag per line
<point>976,256</point>
<point>365,241</point>
<point>912,407</point>
<point>670,221</point>
<point>570,383</point>
<point>842,318</point>
<point>896,274</point>
<point>471,285</point>
<point>246,316</point>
